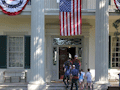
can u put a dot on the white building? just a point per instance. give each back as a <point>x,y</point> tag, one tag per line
<point>31,41</point>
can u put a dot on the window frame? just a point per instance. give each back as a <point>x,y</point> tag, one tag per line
<point>115,53</point>
<point>8,52</point>
<point>58,46</point>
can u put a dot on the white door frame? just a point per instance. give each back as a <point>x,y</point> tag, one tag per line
<point>76,46</point>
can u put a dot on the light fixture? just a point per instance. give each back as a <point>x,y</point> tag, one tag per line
<point>69,47</point>
<point>116,24</point>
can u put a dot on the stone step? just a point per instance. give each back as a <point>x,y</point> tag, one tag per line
<point>13,86</point>
<point>61,87</point>
<point>113,88</point>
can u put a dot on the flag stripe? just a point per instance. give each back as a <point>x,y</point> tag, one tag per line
<point>60,21</point>
<point>70,25</point>
<point>70,22</point>
<point>80,19</point>
<point>73,17</point>
<point>67,23</point>
<point>63,24</point>
<point>77,16</point>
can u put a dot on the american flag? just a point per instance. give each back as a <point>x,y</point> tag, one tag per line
<point>70,17</point>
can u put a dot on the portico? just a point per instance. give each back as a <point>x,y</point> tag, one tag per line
<point>38,43</point>
<point>40,55</point>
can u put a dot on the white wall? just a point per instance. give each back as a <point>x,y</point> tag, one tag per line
<point>14,24</point>
<point>112,73</point>
<point>92,49</point>
<point>9,24</point>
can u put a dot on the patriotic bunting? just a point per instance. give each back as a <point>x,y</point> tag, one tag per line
<point>70,17</point>
<point>117,3</point>
<point>13,7</point>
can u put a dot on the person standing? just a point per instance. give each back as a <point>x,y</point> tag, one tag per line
<point>81,80</point>
<point>68,61</point>
<point>89,78</point>
<point>77,63</point>
<point>67,74</point>
<point>74,75</point>
<point>83,76</point>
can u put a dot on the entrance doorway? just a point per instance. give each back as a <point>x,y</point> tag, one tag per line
<point>64,54</point>
<point>64,48</point>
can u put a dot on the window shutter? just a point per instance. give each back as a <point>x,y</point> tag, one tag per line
<point>109,2</point>
<point>27,52</point>
<point>109,52</point>
<point>3,52</point>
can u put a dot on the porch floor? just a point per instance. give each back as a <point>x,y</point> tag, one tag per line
<point>60,82</point>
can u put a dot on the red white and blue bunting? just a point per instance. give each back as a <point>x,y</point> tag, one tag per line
<point>117,3</point>
<point>13,7</point>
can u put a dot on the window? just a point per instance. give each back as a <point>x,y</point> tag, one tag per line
<point>54,55</point>
<point>15,51</point>
<point>115,52</point>
<point>80,54</point>
<point>67,41</point>
<point>109,2</point>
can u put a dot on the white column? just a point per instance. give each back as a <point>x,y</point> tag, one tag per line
<point>37,81</point>
<point>49,61</point>
<point>85,53</point>
<point>101,44</point>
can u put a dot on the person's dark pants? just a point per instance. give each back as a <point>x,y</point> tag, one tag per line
<point>66,77</point>
<point>74,81</point>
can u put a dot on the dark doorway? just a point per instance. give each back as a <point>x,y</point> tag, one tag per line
<point>64,54</point>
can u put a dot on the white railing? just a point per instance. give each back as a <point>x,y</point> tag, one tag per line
<point>86,5</point>
<point>53,5</point>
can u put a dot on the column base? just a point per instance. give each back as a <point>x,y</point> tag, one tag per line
<point>34,86</point>
<point>100,85</point>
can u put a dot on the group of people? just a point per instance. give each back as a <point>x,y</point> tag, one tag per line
<point>73,72</point>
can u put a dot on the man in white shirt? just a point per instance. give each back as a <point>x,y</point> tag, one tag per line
<point>89,78</point>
